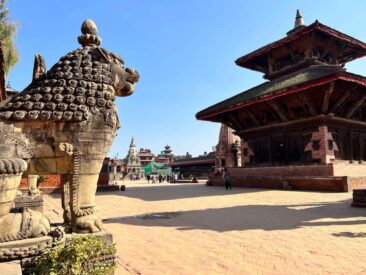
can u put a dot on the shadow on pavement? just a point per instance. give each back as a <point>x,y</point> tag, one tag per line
<point>350,234</point>
<point>249,217</point>
<point>178,191</point>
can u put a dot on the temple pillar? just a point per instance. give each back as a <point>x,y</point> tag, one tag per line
<point>322,146</point>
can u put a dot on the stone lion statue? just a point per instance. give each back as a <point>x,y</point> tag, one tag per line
<point>64,123</point>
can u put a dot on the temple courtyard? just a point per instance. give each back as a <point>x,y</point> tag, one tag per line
<point>194,229</point>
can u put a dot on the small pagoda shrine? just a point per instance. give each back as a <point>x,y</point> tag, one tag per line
<point>304,128</point>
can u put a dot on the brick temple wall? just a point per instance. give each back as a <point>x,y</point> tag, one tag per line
<point>330,184</point>
<point>301,170</point>
<point>356,183</point>
<point>336,177</point>
<point>350,169</point>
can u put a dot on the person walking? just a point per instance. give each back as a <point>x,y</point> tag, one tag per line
<point>227,179</point>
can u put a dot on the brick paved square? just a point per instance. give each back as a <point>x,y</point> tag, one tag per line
<point>194,229</point>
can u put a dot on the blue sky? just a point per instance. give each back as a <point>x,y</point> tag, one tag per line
<point>184,51</point>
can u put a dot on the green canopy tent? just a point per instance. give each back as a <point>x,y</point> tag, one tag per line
<point>157,168</point>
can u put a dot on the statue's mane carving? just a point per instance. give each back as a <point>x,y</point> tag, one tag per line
<point>76,86</point>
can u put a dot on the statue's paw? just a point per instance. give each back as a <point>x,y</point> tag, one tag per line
<point>22,225</point>
<point>39,224</point>
<point>88,224</point>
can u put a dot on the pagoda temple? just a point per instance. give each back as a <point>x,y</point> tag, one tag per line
<point>304,128</point>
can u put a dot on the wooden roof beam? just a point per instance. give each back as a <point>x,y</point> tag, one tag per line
<point>327,95</point>
<point>305,99</point>
<point>278,109</point>
<point>356,106</point>
<point>342,99</point>
<point>252,117</point>
<point>235,122</point>
<point>240,120</point>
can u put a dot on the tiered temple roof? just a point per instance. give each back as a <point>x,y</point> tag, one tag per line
<point>307,59</point>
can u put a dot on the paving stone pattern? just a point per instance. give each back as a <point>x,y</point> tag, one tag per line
<point>242,231</point>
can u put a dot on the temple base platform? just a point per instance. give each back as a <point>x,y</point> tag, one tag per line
<point>335,177</point>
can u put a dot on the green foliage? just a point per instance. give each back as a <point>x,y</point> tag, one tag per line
<point>81,255</point>
<point>8,32</point>
<point>41,179</point>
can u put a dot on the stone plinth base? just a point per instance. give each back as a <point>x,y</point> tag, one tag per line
<point>337,177</point>
<point>57,190</point>
<point>20,249</point>
<point>11,268</point>
<point>105,188</point>
<point>359,198</point>
<point>32,202</point>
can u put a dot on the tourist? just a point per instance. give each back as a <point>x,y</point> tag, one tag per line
<point>227,179</point>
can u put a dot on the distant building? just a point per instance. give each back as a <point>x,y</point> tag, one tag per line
<point>199,167</point>
<point>104,173</point>
<point>133,164</point>
<point>165,156</point>
<point>145,156</point>
<point>228,153</point>
<point>117,169</point>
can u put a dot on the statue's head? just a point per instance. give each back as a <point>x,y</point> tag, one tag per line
<point>83,82</point>
<point>123,79</point>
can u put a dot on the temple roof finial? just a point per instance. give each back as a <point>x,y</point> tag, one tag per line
<point>89,34</point>
<point>298,21</point>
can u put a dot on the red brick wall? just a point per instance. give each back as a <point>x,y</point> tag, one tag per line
<point>283,171</point>
<point>103,179</point>
<point>332,184</point>
<point>53,181</point>
<point>356,183</point>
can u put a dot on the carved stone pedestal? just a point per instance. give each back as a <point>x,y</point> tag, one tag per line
<point>31,202</point>
<point>20,249</point>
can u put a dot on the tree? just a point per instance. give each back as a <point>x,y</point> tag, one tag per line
<point>8,32</point>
